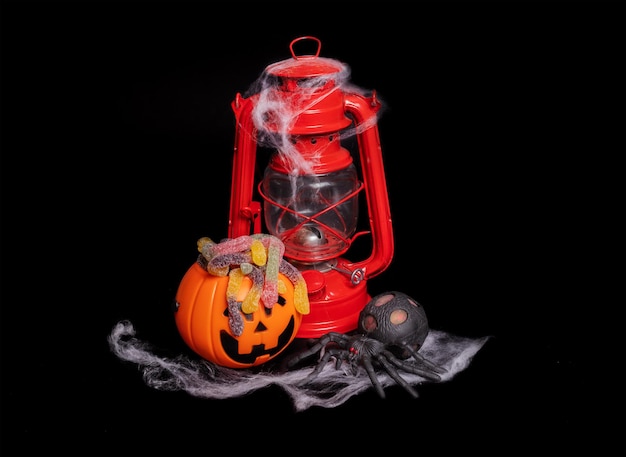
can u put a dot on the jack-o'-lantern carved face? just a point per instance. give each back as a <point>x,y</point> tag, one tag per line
<point>202,318</point>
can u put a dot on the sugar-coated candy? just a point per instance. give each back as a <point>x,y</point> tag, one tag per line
<point>259,257</point>
<point>251,302</point>
<point>235,319</point>
<point>235,278</point>
<point>234,245</point>
<point>270,289</point>
<point>300,294</point>
<point>205,247</point>
<point>246,268</point>
<point>282,287</point>
<point>220,264</point>
<point>269,293</point>
<point>301,297</point>
<point>258,252</point>
<point>291,272</point>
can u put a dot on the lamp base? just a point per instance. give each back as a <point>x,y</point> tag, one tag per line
<point>335,303</point>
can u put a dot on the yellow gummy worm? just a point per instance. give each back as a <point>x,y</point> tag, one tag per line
<point>251,303</point>
<point>205,247</point>
<point>259,254</point>
<point>301,297</point>
<point>235,277</point>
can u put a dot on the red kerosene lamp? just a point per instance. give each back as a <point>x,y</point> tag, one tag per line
<point>302,109</point>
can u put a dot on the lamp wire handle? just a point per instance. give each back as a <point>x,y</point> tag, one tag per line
<point>319,46</point>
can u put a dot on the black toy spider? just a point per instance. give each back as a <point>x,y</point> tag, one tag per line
<point>392,327</point>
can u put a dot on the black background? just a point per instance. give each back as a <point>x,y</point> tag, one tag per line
<point>503,143</point>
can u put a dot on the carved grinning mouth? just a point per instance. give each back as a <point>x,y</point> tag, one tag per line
<point>231,345</point>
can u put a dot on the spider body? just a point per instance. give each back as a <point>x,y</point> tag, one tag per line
<point>392,328</point>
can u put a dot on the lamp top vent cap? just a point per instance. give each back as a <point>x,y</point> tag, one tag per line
<point>306,66</point>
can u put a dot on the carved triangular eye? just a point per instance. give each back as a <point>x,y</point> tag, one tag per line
<point>260,328</point>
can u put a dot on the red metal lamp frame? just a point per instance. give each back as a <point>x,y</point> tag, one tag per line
<point>336,296</point>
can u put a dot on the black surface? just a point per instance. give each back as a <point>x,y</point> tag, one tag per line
<point>503,143</point>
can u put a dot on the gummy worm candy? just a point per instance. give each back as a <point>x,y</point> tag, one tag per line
<point>233,245</point>
<point>300,293</point>
<point>260,257</point>
<point>270,239</point>
<point>220,264</point>
<point>235,321</point>
<point>205,247</point>
<point>270,288</point>
<point>251,303</point>
<point>282,288</point>
<point>235,278</point>
<point>258,252</point>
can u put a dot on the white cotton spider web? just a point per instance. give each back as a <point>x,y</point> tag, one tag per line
<point>332,387</point>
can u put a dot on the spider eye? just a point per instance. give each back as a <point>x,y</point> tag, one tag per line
<point>353,350</point>
<point>398,316</point>
<point>369,323</point>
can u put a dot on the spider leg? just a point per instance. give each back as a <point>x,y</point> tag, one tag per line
<point>427,372</point>
<point>339,355</point>
<point>322,342</point>
<point>369,368</point>
<point>420,358</point>
<point>309,352</point>
<point>390,369</point>
<point>318,368</point>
